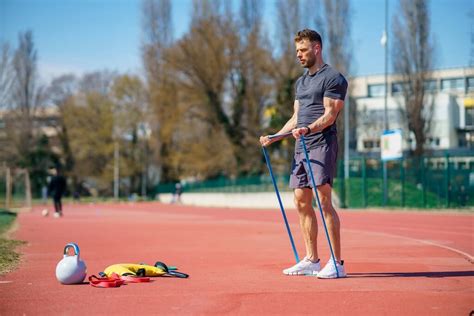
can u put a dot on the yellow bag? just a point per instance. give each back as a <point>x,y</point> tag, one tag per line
<point>144,270</point>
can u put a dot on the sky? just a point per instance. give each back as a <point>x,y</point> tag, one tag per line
<point>82,36</point>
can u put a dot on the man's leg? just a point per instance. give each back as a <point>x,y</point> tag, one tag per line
<point>56,206</point>
<point>331,218</point>
<point>60,205</point>
<point>309,226</point>
<point>334,231</point>
<point>310,264</point>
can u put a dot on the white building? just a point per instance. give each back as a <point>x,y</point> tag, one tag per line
<point>451,90</point>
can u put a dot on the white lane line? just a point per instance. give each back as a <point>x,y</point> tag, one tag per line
<point>469,257</point>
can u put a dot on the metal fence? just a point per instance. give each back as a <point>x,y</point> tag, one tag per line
<point>428,182</point>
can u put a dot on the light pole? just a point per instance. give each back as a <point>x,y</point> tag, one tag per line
<point>116,169</point>
<point>384,42</point>
<point>146,136</point>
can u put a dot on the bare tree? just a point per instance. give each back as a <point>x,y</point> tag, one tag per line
<point>251,83</point>
<point>59,93</point>
<point>157,33</point>
<point>97,82</point>
<point>292,17</point>
<point>131,118</point>
<point>413,58</point>
<point>334,19</point>
<point>6,77</point>
<point>26,98</point>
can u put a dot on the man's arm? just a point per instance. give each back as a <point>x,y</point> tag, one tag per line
<point>331,110</point>
<point>288,127</point>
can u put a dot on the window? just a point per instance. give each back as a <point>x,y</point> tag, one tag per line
<point>470,84</point>
<point>453,84</point>
<point>469,116</point>
<point>368,144</point>
<point>371,144</point>
<point>433,141</point>
<point>376,90</point>
<point>399,87</point>
<point>430,85</point>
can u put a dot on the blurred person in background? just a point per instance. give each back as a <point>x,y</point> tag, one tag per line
<point>56,189</point>
<point>178,190</point>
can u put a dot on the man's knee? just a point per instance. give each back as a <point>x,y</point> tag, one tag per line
<point>324,193</point>
<point>301,204</point>
<point>325,202</point>
<point>302,199</point>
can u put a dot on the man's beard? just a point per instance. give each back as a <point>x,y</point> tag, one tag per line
<point>309,63</point>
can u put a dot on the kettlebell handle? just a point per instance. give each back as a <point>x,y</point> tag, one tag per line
<point>71,245</point>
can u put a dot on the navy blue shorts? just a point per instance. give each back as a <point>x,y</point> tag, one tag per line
<point>323,164</point>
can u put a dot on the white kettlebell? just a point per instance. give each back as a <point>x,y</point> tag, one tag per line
<point>71,269</point>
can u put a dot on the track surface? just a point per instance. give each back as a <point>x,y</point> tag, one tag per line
<point>398,263</point>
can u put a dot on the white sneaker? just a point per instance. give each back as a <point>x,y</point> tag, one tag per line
<point>329,271</point>
<point>304,267</point>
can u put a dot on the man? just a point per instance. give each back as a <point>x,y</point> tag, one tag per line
<point>320,94</point>
<point>178,190</point>
<point>56,189</point>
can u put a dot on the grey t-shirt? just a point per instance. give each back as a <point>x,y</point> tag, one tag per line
<point>310,92</point>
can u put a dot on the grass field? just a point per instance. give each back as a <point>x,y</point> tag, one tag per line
<point>8,256</point>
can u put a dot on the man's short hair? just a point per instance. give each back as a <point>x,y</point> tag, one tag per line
<point>310,35</point>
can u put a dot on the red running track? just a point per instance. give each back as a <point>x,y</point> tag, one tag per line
<point>398,263</point>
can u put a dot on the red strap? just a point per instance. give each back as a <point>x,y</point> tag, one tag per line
<point>112,281</point>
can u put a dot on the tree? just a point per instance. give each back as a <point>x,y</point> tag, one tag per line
<point>90,120</point>
<point>157,33</point>
<point>285,71</point>
<point>59,93</point>
<point>85,128</point>
<point>6,75</point>
<point>334,20</point>
<point>25,100</point>
<point>131,120</point>
<point>202,62</point>
<point>250,83</point>
<point>413,58</point>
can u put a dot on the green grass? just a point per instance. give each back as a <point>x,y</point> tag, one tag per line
<point>8,256</point>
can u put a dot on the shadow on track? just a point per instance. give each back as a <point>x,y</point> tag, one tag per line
<point>439,274</point>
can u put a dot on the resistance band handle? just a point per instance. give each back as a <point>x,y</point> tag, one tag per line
<point>280,136</point>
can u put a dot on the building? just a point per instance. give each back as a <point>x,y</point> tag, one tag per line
<point>44,122</point>
<point>451,91</point>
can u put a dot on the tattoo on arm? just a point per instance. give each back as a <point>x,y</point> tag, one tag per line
<point>332,107</point>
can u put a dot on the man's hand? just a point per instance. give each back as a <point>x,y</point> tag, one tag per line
<point>265,140</point>
<point>297,132</point>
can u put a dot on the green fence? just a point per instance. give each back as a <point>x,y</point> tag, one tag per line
<point>429,182</point>
<point>261,183</point>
